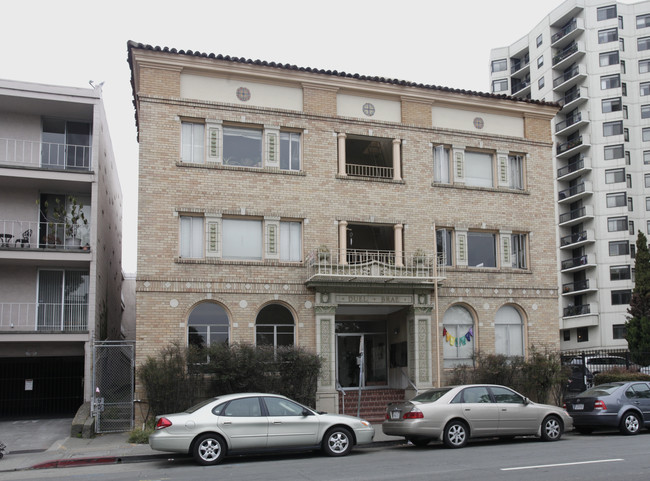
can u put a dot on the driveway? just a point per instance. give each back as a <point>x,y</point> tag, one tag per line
<point>33,435</point>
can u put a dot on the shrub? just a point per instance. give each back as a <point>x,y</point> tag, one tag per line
<point>141,435</point>
<point>620,375</point>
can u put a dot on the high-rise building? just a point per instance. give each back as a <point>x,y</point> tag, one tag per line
<point>60,245</point>
<point>593,57</point>
<point>282,205</point>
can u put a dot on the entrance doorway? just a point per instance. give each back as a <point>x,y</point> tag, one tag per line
<point>354,370</point>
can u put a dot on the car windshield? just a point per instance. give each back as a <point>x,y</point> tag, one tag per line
<point>601,390</point>
<point>432,395</point>
<point>198,406</point>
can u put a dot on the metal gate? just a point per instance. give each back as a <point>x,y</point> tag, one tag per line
<point>113,384</point>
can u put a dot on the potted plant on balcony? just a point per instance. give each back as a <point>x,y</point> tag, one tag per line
<point>62,221</point>
<point>420,257</point>
<point>72,221</point>
<point>323,253</point>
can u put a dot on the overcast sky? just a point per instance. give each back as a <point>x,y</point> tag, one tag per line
<point>445,43</point>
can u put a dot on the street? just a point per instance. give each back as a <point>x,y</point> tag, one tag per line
<point>606,456</point>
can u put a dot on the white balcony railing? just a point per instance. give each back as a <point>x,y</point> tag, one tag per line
<point>44,155</point>
<point>377,264</point>
<point>43,317</point>
<point>17,234</point>
<point>377,171</point>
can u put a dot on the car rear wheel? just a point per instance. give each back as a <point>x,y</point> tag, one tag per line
<point>630,424</point>
<point>551,428</point>
<point>209,449</point>
<point>456,434</point>
<point>337,442</point>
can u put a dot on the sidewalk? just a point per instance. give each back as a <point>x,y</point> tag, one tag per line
<point>111,448</point>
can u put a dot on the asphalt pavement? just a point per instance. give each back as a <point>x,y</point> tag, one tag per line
<point>46,443</point>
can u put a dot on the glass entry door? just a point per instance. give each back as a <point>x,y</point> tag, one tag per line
<point>349,346</point>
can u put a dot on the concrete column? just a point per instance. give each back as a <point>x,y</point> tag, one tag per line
<point>341,143</point>
<point>397,230</point>
<point>343,248</point>
<point>397,160</point>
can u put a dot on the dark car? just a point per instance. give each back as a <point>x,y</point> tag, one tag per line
<point>622,405</point>
<point>580,379</point>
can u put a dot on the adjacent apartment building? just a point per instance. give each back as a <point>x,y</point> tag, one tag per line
<point>593,57</point>
<point>61,244</point>
<point>282,205</point>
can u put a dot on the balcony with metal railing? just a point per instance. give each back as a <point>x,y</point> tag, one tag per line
<point>578,191</point>
<point>45,155</point>
<point>580,310</point>
<point>568,33</point>
<point>44,317</point>
<point>577,239</point>
<point>569,54</point>
<point>576,216</point>
<point>573,99</point>
<point>576,264</point>
<point>25,235</point>
<point>577,288</point>
<point>572,123</point>
<point>374,266</point>
<point>573,146</point>
<point>521,89</point>
<point>573,169</point>
<point>568,79</point>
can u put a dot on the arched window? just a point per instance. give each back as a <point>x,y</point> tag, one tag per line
<point>208,324</point>
<point>509,332</point>
<point>458,340</point>
<point>274,326</point>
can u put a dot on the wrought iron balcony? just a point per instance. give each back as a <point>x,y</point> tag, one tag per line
<point>570,27</point>
<point>576,286</point>
<point>566,53</point>
<point>520,86</point>
<point>45,155</point>
<point>574,238</point>
<point>572,167</point>
<point>578,189</point>
<point>44,317</point>
<point>18,234</point>
<point>374,265</point>
<point>566,146</point>
<point>575,262</point>
<point>576,310</point>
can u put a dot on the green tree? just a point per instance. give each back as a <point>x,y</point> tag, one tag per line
<point>637,327</point>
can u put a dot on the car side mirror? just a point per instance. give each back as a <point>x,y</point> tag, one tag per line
<point>526,401</point>
<point>306,412</point>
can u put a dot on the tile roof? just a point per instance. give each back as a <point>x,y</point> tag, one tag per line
<point>405,83</point>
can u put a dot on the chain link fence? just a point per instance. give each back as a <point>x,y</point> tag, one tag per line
<point>113,383</point>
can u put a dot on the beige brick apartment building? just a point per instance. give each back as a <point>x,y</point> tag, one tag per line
<point>284,205</point>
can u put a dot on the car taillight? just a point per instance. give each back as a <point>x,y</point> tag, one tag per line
<point>600,405</point>
<point>415,413</point>
<point>163,423</point>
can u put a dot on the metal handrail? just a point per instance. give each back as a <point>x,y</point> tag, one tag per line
<point>45,155</point>
<point>567,29</point>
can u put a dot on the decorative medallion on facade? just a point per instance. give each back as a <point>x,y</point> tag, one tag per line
<point>243,94</point>
<point>479,123</point>
<point>368,109</point>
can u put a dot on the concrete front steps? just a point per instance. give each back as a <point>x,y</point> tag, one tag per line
<point>373,402</point>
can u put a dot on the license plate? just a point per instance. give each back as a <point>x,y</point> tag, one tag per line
<point>578,407</point>
<point>395,415</point>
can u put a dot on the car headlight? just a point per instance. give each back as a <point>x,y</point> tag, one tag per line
<point>365,423</point>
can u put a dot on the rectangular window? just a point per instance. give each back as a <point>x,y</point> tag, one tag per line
<point>192,142</point>
<point>539,40</point>
<point>611,105</point>
<point>605,13</point>
<point>614,176</point>
<point>608,35</point>
<point>290,151</point>
<point>441,159</point>
<point>624,89</point>
<point>610,82</point>
<point>191,237</point>
<point>479,170</point>
<point>444,246</point>
<point>540,83</point>
<point>291,241</point>
<point>646,180</point>
<point>643,43</point>
<point>617,224</point>
<point>621,297</point>
<point>481,247</point>
<point>646,156</point>
<point>612,128</point>
<point>619,248</point>
<point>616,199</point>
<point>618,331</point>
<point>645,111</point>
<point>632,251</point>
<point>566,336</point>
<point>540,61</point>
<point>643,21</point>
<point>242,239</point>
<point>516,167</point>
<point>620,22</point>
<point>646,134</point>
<point>614,152</point>
<point>500,85</point>
<point>647,203</point>
<point>518,243</point>
<point>499,65</point>
<point>630,204</point>
<point>582,334</point>
<point>644,88</point>
<point>242,146</point>
<point>644,65</point>
<point>628,179</point>
<point>626,138</point>
<point>631,227</point>
<point>619,273</point>
<point>621,44</point>
<point>608,58</point>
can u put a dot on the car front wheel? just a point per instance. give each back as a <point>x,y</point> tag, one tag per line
<point>630,424</point>
<point>209,449</point>
<point>456,434</point>
<point>551,428</point>
<point>337,442</point>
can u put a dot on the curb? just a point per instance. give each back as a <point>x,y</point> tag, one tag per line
<point>69,463</point>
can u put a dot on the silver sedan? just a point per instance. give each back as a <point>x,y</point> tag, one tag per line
<point>455,414</point>
<point>256,422</point>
